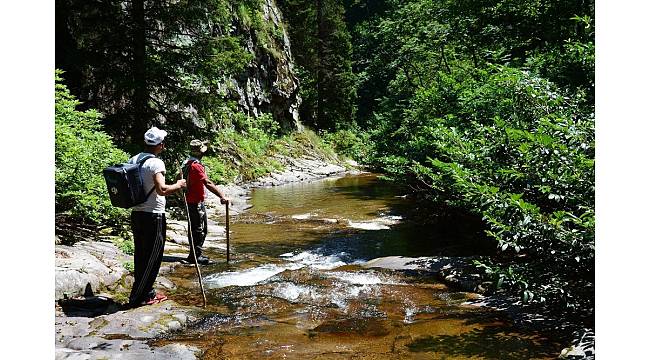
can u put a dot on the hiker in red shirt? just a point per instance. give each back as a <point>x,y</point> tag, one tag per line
<point>197,182</point>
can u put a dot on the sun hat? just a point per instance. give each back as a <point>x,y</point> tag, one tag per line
<point>198,145</point>
<point>154,136</point>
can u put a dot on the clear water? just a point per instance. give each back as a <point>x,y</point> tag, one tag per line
<point>295,287</point>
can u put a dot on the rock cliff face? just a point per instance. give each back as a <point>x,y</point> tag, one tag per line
<point>182,83</point>
<point>269,85</point>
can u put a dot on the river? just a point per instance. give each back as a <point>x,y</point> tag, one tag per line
<point>297,288</point>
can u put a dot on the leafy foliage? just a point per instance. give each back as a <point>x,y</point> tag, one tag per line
<point>530,178</point>
<point>352,143</point>
<point>82,151</point>
<point>488,107</point>
<point>245,143</point>
<point>125,244</point>
<point>323,50</point>
<point>146,63</point>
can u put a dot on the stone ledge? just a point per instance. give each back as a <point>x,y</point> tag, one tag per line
<point>109,336</point>
<point>87,267</point>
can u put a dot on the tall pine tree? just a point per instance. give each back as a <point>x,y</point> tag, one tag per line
<point>321,45</point>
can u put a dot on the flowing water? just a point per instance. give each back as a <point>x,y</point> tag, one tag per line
<point>296,286</point>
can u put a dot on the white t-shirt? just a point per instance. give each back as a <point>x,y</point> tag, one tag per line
<point>155,203</point>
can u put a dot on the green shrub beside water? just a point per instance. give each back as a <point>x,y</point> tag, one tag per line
<point>519,152</point>
<point>82,151</point>
<point>351,143</point>
<point>497,121</point>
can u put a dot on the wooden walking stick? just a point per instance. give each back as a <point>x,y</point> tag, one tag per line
<point>189,229</point>
<point>227,233</point>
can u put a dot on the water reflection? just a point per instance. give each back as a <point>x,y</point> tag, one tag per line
<point>358,215</point>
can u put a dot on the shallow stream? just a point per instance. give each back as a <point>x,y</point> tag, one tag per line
<point>296,286</point>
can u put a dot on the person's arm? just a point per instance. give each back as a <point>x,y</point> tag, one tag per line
<point>163,189</point>
<point>215,190</point>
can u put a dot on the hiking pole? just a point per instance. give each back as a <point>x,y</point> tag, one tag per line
<point>189,231</point>
<point>227,233</point>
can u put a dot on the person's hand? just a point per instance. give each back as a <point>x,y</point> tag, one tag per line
<point>181,183</point>
<point>225,200</point>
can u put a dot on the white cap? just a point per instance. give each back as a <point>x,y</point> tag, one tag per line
<point>154,136</point>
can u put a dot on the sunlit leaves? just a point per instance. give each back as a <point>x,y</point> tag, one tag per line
<point>82,151</point>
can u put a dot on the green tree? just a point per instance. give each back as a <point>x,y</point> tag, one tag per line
<point>145,63</point>
<point>82,151</point>
<point>487,107</point>
<point>321,44</point>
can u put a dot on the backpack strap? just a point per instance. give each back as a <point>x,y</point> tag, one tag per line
<point>145,158</point>
<point>187,165</point>
<point>149,193</point>
<point>140,163</point>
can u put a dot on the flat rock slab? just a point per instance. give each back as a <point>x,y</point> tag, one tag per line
<point>455,271</point>
<point>432,264</point>
<point>86,267</point>
<point>302,169</point>
<point>123,334</point>
<point>96,348</point>
<point>397,263</point>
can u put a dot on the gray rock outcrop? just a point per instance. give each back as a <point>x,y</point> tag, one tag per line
<point>301,169</point>
<point>86,268</point>
<point>123,334</point>
<point>269,84</point>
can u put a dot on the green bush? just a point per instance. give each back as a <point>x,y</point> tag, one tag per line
<point>307,143</point>
<point>125,242</point>
<point>518,151</point>
<point>82,151</point>
<point>243,148</point>
<point>218,170</point>
<point>349,142</point>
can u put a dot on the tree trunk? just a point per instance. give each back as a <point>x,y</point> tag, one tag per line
<point>320,39</point>
<point>140,120</point>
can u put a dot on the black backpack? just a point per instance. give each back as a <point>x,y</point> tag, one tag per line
<point>125,183</point>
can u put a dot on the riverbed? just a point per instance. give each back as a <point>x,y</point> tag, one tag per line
<point>298,284</point>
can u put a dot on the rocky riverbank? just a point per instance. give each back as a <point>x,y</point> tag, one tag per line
<point>92,282</point>
<point>458,272</point>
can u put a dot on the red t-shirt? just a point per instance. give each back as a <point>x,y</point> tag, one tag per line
<point>195,181</point>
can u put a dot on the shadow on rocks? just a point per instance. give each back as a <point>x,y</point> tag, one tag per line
<point>89,306</point>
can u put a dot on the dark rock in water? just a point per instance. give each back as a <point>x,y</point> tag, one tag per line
<point>211,322</point>
<point>360,326</point>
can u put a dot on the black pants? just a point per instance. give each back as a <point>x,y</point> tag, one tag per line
<point>199,226</point>
<point>149,231</point>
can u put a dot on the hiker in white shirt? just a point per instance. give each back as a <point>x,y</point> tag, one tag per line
<point>148,221</point>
